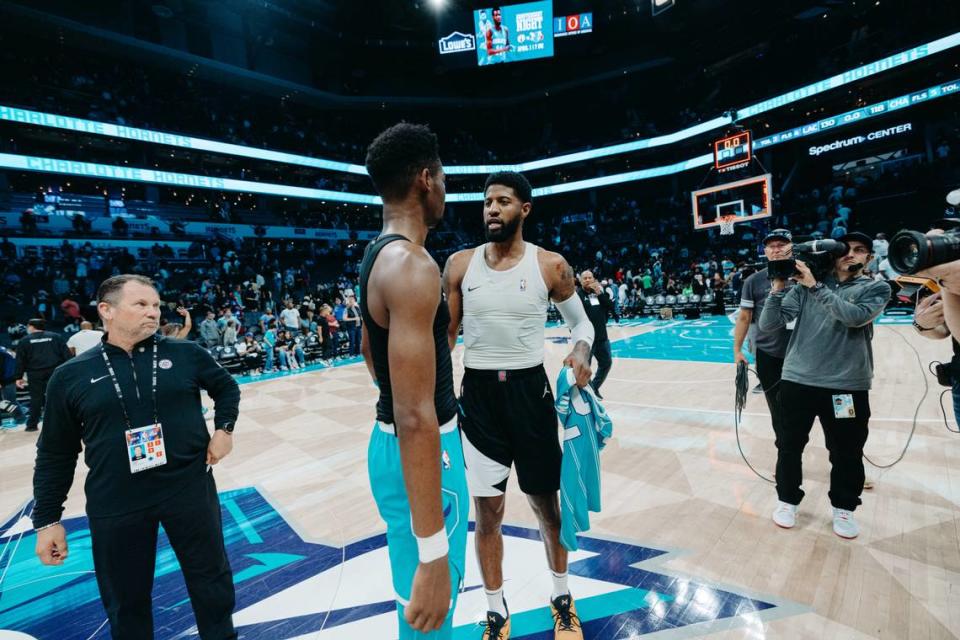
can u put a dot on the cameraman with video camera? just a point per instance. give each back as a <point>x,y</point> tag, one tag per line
<point>827,371</point>
<point>769,347</point>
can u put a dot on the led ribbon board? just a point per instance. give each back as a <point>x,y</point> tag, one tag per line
<point>27,116</point>
<point>871,111</point>
<point>39,118</point>
<point>130,174</point>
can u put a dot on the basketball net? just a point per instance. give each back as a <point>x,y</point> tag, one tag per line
<point>726,225</point>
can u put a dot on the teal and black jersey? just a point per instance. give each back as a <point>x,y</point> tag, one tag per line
<point>445,402</point>
<point>586,429</point>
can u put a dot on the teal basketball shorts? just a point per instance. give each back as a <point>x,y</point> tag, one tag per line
<point>390,494</point>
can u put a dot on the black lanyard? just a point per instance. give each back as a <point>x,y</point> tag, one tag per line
<point>116,384</point>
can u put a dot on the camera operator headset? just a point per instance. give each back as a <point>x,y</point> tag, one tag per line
<point>828,370</point>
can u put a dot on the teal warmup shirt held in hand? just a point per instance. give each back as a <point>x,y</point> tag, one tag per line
<point>586,428</point>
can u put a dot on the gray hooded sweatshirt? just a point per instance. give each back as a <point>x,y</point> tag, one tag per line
<point>830,345</point>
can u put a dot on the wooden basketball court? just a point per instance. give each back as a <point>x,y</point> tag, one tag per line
<point>684,545</point>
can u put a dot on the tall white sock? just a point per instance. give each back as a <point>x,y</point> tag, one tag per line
<point>559,585</point>
<point>495,602</point>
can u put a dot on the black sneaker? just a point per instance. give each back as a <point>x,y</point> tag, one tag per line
<point>496,626</point>
<point>566,623</point>
<point>32,429</point>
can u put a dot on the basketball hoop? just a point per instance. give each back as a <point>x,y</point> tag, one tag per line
<point>726,225</point>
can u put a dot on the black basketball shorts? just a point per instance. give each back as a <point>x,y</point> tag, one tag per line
<point>507,418</point>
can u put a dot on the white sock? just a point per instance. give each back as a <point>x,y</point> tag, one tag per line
<point>495,602</point>
<point>559,585</point>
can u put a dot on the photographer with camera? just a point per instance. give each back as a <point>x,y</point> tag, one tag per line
<point>769,347</point>
<point>827,371</point>
<point>931,317</point>
<point>935,255</point>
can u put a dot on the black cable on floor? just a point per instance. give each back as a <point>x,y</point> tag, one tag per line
<point>916,413</point>
<point>743,387</point>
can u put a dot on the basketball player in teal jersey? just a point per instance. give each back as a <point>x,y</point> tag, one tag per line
<point>501,291</point>
<point>485,25</point>
<point>415,459</point>
<point>498,39</point>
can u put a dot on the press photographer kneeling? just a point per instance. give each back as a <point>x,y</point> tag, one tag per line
<point>828,368</point>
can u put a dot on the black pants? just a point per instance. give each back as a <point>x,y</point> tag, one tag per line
<point>601,351</point>
<point>769,369</point>
<point>37,386</point>
<point>353,332</point>
<point>330,345</point>
<point>844,437</point>
<point>125,553</point>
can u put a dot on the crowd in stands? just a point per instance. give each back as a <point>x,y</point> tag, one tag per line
<point>280,293</point>
<point>107,87</point>
<point>223,293</point>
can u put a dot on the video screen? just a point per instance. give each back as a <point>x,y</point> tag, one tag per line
<point>514,33</point>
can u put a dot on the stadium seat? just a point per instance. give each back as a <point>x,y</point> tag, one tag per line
<point>312,348</point>
<point>230,360</point>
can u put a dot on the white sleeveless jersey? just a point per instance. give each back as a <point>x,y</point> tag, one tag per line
<point>504,313</point>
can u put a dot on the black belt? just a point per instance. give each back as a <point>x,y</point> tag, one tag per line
<point>502,375</point>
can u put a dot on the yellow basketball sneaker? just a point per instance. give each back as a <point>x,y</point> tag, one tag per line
<point>497,627</point>
<point>566,623</point>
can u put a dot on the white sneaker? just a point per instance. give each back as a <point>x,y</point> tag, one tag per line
<point>844,525</point>
<point>785,515</point>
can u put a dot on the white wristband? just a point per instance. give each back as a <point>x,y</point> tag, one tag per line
<point>433,547</point>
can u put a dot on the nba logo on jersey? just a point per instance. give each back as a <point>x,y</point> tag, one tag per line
<point>523,284</point>
<point>445,459</point>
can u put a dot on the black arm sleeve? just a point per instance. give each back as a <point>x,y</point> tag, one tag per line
<point>220,385</point>
<point>57,451</point>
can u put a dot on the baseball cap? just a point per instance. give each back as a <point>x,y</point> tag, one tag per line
<point>859,236</point>
<point>781,234</point>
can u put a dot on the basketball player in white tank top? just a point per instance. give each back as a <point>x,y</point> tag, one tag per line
<point>501,292</point>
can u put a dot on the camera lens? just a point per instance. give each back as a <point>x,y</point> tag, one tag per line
<point>911,251</point>
<point>907,252</point>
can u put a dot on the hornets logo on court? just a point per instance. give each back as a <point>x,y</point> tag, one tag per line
<point>288,587</point>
